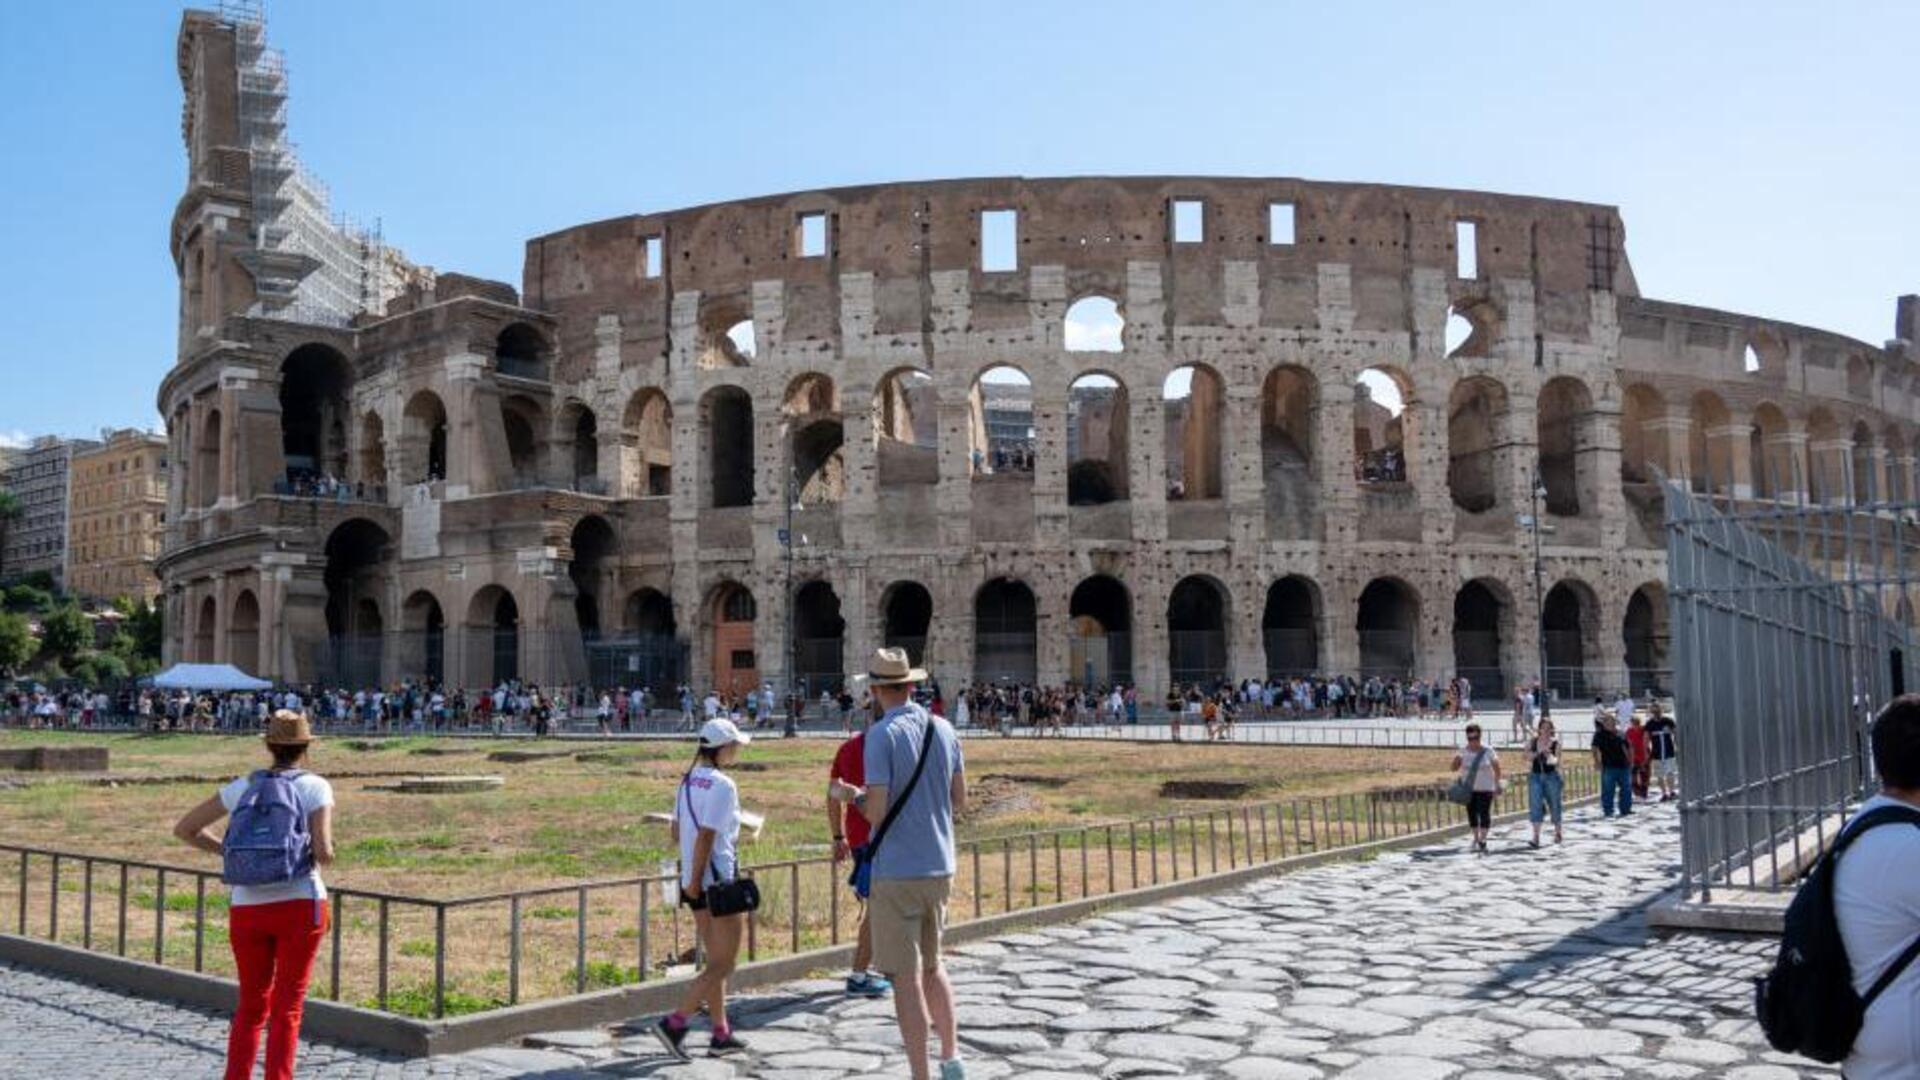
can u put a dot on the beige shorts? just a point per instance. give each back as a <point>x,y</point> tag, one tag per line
<point>1666,768</point>
<point>908,917</point>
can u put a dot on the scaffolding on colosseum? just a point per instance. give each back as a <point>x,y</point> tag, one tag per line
<point>311,265</point>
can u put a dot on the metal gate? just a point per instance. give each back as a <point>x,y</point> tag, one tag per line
<point>1790,626</point>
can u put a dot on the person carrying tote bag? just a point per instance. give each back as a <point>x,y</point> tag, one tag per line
<point>707,827</point>
<point>1477,784</point>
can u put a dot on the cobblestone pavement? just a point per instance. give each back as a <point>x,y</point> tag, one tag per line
<point>1427,965</point>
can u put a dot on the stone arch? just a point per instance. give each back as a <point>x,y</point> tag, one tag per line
<point>819,635</point>
<point>522,352</point>
<point>649,652</point>
<point>1387,622</point>
<point>243,632</point>
<point>1199,615</point>
<point>1098,439</point>
<point>1773,467</point>
<point>1000,422</point>
<point>1482,632</point>
<point>594,548</point>
<point>1094,323</point>
<point>525,423</point>
<point>423,439</point>
<point>1565,438</point>
<point>906,428</point>
<point>1569,622</point>
<point>1479,444</point>
<point>1643,441</point>
<point>577,446</point>
<point>359,563</point>
<point>1866,482</point>
<point>1100,625</point>
<point>727,333</point>
<point>1899,477</point>
<point>493,636</point>
<point>314,382</point>
<point>731,614</point>
<point>1194,399</point>
<point>1383,425</point>
<point>1005,622</point>
<point>205,630</point>
<point>816,439</point>
<point>648,612</point>
<point>1709,463</point>
<point>1289,422</point>
<point>906,618</point>
<point>1645,636</point>
<point>726,426</point>
<point>648,447</point>
<point>423,623</point>
<point>1825,468</point>
<point>1290,627</point>
<point>206,463</point>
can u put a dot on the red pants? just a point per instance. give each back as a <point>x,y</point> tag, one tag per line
<point>273,949</point>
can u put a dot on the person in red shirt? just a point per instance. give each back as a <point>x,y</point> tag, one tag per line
<point>1641,748</point>
<point>851,831</point>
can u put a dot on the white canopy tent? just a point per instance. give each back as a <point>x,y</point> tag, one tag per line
<point>208,677</point>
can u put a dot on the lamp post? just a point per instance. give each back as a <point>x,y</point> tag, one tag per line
<point>786,541</point>
<point>1537,492</point>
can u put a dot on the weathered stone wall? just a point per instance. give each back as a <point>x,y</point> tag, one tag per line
<point>535,440</point>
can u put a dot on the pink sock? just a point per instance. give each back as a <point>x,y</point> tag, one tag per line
<point>676,1020</point>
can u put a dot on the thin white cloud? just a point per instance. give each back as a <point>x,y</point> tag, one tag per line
<point>14,440</point>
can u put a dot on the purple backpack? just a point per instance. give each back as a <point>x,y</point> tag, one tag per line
<point>267,842</point>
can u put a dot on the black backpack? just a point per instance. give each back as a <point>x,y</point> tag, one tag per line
<point>1806,1004</point>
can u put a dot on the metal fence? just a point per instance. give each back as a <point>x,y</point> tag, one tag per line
<point>426,956</point>
<point>1790,625</point>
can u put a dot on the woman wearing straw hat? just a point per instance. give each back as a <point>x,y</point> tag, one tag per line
<point>280,836</point>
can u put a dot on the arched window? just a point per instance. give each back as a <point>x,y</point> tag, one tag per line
<point>1194,400</point>
<point>728,430</point>
<point>1094,324</point>
<point>1097,440</point>
<point>1000,431</point>
<point>649,423</point>
<point>1381,426</point>
<point>906,429</point>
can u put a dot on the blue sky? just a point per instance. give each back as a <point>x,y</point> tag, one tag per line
<point>1766,156</point>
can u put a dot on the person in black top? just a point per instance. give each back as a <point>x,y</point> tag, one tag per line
<point>1611,756</point>
<point>1665,746</point>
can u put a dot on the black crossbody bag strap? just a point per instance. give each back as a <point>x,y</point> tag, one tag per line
<point>895,803</point>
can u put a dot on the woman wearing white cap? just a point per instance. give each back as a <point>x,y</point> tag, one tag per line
<point>706,824</point>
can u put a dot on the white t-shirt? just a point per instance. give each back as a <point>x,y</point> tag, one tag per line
<point>710,798</point>
<point>1482,781</point>
<point>312,793</point>
<point>1876,899</point>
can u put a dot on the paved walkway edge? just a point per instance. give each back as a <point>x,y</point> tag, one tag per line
<point>346,1024</point>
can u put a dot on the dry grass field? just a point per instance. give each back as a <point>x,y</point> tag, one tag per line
<point>581,816</point>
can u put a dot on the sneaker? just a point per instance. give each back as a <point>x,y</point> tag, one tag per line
<point>953,1069</point>
<point>672,1038</point>
<point>726,1045</point>
<point>867,984</point>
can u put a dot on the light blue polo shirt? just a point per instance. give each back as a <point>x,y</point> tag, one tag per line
<point>919,843</point>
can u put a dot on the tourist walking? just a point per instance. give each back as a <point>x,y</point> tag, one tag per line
<point>1876,901</point>
<point>1640,754</point>
<point>1664,747</point>
<point>915,758</point>
<point>1612,757</point>
<point>706,825</point>
<point>1544,780</point>
<point>279,835</point>
<point>850,832</point>
<point>1479,768</point>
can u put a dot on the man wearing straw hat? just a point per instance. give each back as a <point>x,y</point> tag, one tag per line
<point>911,754</point>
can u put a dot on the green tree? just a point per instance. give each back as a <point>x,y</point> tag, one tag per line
<point>144,623</point>
<point>17,645</point>
<point>65,632</point>
<point>29,599</point>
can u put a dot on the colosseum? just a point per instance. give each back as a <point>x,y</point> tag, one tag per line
<point>1138,429</point>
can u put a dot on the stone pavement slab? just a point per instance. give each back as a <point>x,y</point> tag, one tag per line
<point>1433,963</point>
